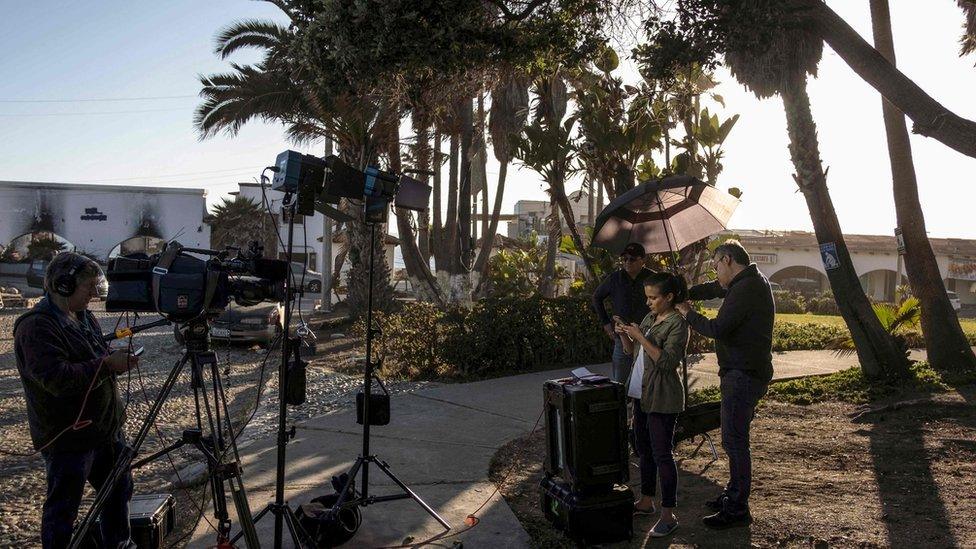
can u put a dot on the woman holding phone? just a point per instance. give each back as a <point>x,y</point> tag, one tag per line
<point>658,345</point>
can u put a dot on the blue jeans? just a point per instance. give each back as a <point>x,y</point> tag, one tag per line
<point>654,436</point>
<point>740,394</point>
<point>66,476</point>
<point>622,362</point>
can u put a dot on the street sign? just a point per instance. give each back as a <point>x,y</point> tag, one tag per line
<point>828,253</point>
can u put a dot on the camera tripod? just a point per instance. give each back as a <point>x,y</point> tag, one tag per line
<point>214,447</point>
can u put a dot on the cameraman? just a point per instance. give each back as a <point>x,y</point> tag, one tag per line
<point>73,407</point>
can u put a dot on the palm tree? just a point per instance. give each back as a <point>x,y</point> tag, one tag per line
<point>273,90</point>
<point>547,146</point>
<point>931,118</point>
<point>240,221</point>
<point>782,69</point>
<point>508,114</point>
<point>946,343</point>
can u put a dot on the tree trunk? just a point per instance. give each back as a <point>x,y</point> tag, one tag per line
<point>481,266</point>
<point>417,270</point>
<point>945,341</point>
<point>464,257</point>
<point>437,229</point>
<point>547,283</point>
<point>451,222</point>
<point>424,161</point>
<point>590,213</point>
<point>931,118</point>
<point>876,349</point>
<point>559,195</point>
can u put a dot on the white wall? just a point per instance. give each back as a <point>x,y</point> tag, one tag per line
<point>95,218</point>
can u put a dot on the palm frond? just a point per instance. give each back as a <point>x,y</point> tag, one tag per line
<point>230,100</point>
<point>250,33</point>
<point>968,40</point>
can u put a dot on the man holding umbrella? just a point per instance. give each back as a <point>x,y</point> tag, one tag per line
<point>625,288</point>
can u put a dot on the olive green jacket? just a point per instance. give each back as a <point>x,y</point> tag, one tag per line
<point>661,388</point>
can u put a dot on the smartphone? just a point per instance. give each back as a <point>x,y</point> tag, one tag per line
<point>138,351</point>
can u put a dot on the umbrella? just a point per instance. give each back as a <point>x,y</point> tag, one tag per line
<point>663,215</point>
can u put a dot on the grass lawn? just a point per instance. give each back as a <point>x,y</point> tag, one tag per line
<point>968,324</point>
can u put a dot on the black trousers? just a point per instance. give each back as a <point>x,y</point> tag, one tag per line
<point>67,473</point>
<point>740,394</point>
<point>654,435</point>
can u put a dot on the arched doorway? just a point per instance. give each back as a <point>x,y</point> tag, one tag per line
<point>138,244</point>
<point>41,245</point>
<point>880,284</point>
<point>802,279</point>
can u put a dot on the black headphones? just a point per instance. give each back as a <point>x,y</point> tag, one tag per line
<point>66,283</point>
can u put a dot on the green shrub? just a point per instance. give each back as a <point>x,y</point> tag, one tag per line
<point>823,304</point>
<point>851,386</point>
<point>789,302</point>
<point>791,336</point>
<point>496,336</point>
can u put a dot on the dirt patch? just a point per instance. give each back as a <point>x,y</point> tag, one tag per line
<point>905,477</point>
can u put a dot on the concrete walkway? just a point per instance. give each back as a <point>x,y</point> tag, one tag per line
<point>440,442</point>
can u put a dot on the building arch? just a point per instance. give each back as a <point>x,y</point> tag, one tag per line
<point>19,248</point>
<point>137,244</point>
<point>880,284</point>
<point>801,278</point>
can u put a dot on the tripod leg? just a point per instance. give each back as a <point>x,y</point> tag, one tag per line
<point>299,536</point>
<point>125,459</point>
<point>386,469</point>
<point>344,493</point>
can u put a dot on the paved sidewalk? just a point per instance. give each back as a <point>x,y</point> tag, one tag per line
<point>440,443</point>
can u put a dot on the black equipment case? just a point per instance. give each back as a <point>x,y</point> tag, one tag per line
<point>698,420</point>
<point>591,518</point>
<point>586,439</point>
<point>151,518</point>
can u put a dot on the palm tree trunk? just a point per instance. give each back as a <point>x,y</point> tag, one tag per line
<point>451,222</point>
<point>547,283</point>
<point>437,229</point>
<point>464,189</point>
<point>945,341</point>
<point>424,159</point>
<point>481,265</point>
<point>590,214</point>
<point>931,118</point>
<point>876,349</point>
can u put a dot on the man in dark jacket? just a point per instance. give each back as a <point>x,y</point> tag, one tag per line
<point>743,333</point>
<point>625,288</point>
<point>73,407</point>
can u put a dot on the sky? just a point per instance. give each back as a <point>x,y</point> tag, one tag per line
<point>59,55</point>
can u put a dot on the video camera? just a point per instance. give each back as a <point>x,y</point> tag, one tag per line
<point>182,287</point>
<point>321,181</point>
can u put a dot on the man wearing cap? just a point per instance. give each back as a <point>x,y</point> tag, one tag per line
<point>625,288</point>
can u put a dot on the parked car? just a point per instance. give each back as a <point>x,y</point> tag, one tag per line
<point>954,300</point>
<point>255,324</point>
<point>35,273</point>
<point>312,279</point>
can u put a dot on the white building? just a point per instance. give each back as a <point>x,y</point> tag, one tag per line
<point>530,215</point>
<point>99,220</point>
<point>793,259</point>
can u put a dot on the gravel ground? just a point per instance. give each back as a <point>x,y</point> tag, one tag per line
<point>22,486</point>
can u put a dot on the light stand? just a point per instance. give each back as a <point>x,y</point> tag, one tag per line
<point>279,507</point>
<point>348,496</point>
